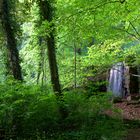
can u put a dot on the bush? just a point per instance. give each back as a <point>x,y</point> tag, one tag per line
<point>86,117</point>
<point>27,109</point>
<point>30,112</point>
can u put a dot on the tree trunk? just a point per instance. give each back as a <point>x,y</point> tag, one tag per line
<point>13,55</point>
<point>46,11</point>
<point>41,60</point>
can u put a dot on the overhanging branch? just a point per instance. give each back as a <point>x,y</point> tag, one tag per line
<point>133,35</point>
<point>91,9</point>
<point>134,28</point>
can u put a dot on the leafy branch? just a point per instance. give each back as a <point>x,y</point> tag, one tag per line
<point>91,9</point>
<point>134,28</point>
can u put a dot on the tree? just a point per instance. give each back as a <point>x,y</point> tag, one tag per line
<point>103,20</point>
<point>47,13</point>
<point>12,51</point>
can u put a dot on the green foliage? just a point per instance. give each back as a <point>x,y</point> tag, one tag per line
<point>33,112</point>
<point>25,109</point>
<point>110,23</point>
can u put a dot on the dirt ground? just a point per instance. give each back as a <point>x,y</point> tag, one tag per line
<point>133,134</point>
<point>129,111</point>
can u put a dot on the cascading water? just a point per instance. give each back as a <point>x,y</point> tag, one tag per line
<point>116,79</point>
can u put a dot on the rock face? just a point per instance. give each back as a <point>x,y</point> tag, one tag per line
<point>126,81</point>
<point>122,82</point>
<point>134,81</point>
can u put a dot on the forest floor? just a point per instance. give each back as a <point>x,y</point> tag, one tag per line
<point>131,113</point>
<point>133,134</point>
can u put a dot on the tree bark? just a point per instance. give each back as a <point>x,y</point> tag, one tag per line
<point>13,54</point>
<point>47,13</point>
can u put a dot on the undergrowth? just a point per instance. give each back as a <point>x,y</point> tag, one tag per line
<point>32,113</point>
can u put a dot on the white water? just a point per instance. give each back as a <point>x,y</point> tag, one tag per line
<point>116,78</point>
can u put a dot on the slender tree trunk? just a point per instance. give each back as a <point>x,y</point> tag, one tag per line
<point>75,66</point>
<point>41,61</point>
<point>46,11</point>
<point>13,54</point>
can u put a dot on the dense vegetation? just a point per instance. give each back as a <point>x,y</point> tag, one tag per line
<point>53,58</point>
<point>33,113</point>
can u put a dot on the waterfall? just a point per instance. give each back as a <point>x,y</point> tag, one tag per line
<point>116,78</point>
